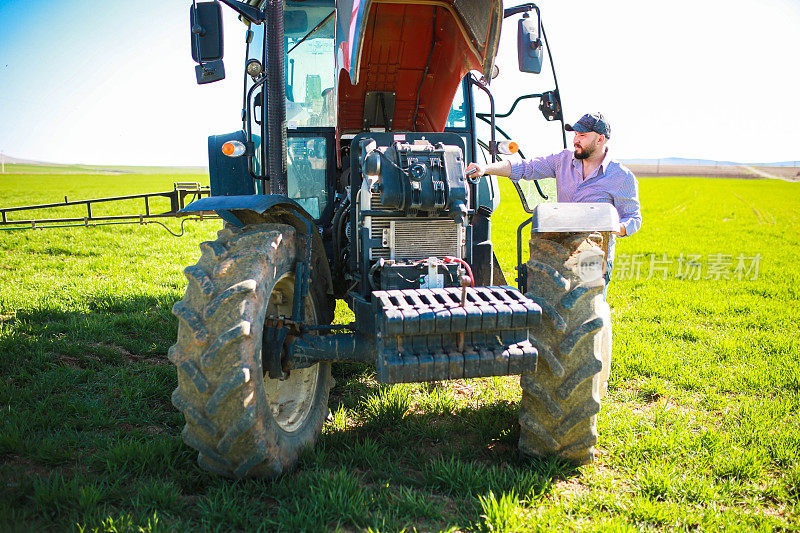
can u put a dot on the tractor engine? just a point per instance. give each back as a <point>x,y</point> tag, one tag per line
<point>411,211</point>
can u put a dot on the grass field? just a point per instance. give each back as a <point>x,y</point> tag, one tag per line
<point>701,428</point>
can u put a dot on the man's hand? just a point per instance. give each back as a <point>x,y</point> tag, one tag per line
<point>479,170</point>
<point>621,231</point>
<point>500,168</point>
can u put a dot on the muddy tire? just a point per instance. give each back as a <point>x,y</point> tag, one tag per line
<point>242,423</point>
<point>560,401</point>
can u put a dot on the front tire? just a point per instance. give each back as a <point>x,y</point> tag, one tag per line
<point>242,423</point>
<point>560,401</point>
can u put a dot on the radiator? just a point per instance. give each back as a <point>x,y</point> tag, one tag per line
<point>412,238</point>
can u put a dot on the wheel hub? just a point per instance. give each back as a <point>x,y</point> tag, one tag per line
<point>290,399</point>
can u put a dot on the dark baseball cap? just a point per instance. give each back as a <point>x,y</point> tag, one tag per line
<point>591,122</point>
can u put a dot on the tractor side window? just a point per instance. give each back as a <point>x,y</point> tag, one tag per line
<point>310,66</point>
<point>307,165</point>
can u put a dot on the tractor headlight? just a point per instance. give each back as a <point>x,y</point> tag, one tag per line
<point>234,149</point>
<point>254,68</point>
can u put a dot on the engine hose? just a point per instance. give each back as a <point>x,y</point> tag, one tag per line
<point>343,208</point>
<point>335,237</point>
<point>335,224</point>
<point>372,271</point>
<point>340,224</point>
<point>451,259</point>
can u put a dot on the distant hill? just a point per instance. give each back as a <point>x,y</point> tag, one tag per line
<point>703,162</point>
<point>88,168</point>
<point>8,160</point>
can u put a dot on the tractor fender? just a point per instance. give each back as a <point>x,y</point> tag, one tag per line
<point>258,209</point>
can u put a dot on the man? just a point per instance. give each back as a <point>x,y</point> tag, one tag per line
<point>585,174</point>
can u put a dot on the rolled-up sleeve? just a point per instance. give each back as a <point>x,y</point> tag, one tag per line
<point>626,200</point>
<point>535,169</point>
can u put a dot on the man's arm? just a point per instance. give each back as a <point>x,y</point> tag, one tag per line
<point>500,168</point>
<point>627,203</point>
<point>535,169</point>
<point>529,169</point>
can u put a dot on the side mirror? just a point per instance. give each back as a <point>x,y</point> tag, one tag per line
<point>205,19</point>
<point>529,45</point>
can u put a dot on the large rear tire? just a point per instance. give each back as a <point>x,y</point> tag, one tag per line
<point>560,401</point>
<point>242,423</point>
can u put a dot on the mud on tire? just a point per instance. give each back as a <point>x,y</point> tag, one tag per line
<point>560,401</point>
<point>242,423</point>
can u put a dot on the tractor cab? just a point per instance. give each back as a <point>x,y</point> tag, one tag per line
<point>310,102</point>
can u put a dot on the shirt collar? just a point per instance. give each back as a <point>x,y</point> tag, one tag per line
<point>603,164</point>
<point>606,160</point>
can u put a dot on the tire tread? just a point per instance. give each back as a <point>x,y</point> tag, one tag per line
<point>560,399</point>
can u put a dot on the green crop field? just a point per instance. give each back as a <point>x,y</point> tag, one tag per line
<point>701,428</point>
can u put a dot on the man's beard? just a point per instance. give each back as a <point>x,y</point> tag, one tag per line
<point>585,153</point>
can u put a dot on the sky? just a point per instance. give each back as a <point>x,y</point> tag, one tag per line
<point>113,82</point>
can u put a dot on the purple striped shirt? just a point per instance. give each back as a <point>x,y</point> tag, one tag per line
<point>611,182</point>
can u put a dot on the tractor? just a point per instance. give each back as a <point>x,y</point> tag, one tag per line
<point>347,182</point>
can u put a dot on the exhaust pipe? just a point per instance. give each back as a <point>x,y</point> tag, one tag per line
<point>276,99</point>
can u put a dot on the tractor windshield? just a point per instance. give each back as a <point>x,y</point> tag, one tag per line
<point>310,65</point>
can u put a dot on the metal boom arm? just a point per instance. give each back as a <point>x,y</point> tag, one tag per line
<point>177,199</point>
